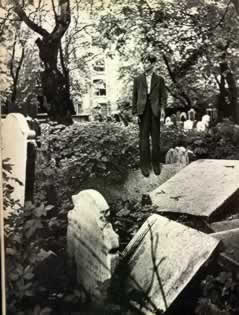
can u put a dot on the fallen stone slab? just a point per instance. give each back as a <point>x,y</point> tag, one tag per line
<point>230,240</point>
<point>225,225</point>
<point>203,188</point>
<point>161,259</point>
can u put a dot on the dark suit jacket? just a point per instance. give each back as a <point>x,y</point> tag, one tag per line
<point>158,94</point>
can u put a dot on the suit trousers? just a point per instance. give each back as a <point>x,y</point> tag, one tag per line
<point>149,127</point>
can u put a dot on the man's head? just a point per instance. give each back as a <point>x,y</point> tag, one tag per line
<point>149,62</point>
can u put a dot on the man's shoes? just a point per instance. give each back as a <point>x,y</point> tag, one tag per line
<point>157,169</point>
<point>145,172</point>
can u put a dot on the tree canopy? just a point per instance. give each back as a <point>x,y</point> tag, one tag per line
<point>196,43</point>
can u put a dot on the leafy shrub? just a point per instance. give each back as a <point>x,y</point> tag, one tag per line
<point>8,201</point>
<point>70,157</point>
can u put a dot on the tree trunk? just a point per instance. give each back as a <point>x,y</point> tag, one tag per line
<point>54,84</point>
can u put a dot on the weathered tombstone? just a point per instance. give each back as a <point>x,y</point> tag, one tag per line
<point>161,259</point>
<point>15,136</point>
<point>204,188</point>
<point>183,116</point>
<point>206,120</point>
<point>182,156</point>
<point>179,155</point>
<point>92,244</point>
<point>201,127</point>
<point>213,113</point>
<point>170,156</point>
<point>168,122</point>
<point>192,114</point>
<point>188,125</point>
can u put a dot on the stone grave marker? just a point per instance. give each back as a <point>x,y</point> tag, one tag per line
<point>226,225</point>
<point>177,155</point>
<point>203,188</point>
<point>201,126</point>
<point>188,125</point>
<point>183,116</point>
<point>161,259</point>
<point>92,244</point>
<point>192,114</point>
<point>15,135</point>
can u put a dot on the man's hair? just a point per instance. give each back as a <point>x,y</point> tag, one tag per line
<point>149,57</point>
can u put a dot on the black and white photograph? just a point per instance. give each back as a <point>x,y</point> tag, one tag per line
<point>119,176</point>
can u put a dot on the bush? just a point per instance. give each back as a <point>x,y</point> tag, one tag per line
<point>70,157</point>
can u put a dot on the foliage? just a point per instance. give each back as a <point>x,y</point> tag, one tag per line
<point>223,289</point>
<point>37,278</point>
<point>8,201</point>
<point>190,38</point>
<point>98,154</point>
<point>72,157</point>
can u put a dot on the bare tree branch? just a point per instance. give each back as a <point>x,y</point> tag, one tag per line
<point>22,15</point>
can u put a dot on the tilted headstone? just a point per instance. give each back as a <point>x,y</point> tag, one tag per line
<point>15,136</point>
<point>92,244</point>
<point>161,260</point>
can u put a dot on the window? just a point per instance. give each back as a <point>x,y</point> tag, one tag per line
<point>99,65</point>
<point>99,87</point>
<point>104,109</point>
<point>78,108</point>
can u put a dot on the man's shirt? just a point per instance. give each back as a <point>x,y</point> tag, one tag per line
<point>148,80</point>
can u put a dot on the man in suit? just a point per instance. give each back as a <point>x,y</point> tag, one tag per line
<point>149,101</point>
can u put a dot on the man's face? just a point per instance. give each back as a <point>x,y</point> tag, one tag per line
<point>148,65</point>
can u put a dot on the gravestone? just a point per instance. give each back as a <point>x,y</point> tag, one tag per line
<point>92,244</point>
<point>204,188</point>
<point>170,157</point>
<point>201,126</point>
<point>192,114</point>
<point>177,155</point>
<point>183,116</point>
<point>161,259</point>
<point>15,136</point>
<point>188,125</point>
<point>168,122</point>
<point>206,120</point>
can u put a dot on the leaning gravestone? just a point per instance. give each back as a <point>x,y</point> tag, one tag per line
<point>161,259</point>
<point>15,136</point>
<point>91,243</point>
